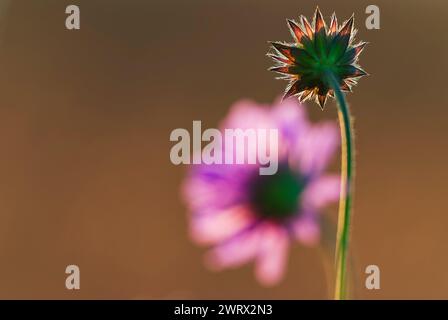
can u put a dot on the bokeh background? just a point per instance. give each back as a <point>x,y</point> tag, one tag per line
<point>85,118</point>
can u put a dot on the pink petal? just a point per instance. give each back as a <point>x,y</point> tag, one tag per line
<point>235,251</point>
<point>202,193</point>
<point>273,254</point>
<point>213,228</point>
<point>307,230</point>
<point>291,119</point>
<point>316,147</point>
<point>321,192</point>
<point>247,114</point>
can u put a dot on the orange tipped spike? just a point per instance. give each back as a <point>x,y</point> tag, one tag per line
<point>346,87</point>
<point>333,24</point>
<point>283,49</point>
<point>319,22</point>
<point>275,57</point>
<point>295,30</point>
<point>291,91</point>
<point>281,69</point>
<point>348,27</point>
<point>322,99</point>
<point>359,47</point>
<point>307,27</point>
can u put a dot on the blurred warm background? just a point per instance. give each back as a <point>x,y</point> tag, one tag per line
<point>85,118</point>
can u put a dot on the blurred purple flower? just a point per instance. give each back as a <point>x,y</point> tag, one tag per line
<point>246,216</point>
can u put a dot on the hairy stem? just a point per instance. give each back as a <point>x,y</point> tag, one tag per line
<point>343,229</point>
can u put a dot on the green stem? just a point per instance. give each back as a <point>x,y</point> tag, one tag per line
<point>343,230</point>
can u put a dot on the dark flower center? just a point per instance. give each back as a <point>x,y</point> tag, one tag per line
<point>277,196</point>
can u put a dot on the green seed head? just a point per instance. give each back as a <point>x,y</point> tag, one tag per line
<point>317,51</point>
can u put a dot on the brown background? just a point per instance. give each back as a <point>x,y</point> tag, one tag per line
<point>85,118</point>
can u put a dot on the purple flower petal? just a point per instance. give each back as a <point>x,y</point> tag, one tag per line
<point>246,114</point>
<point>321,192</point>
<point>214,187</point>
<point>236,251</point>
<point>316,147</point>
<point>291,120</point>
<point>217,227</point>
<point>273,254</point>
<point>306,229</point>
